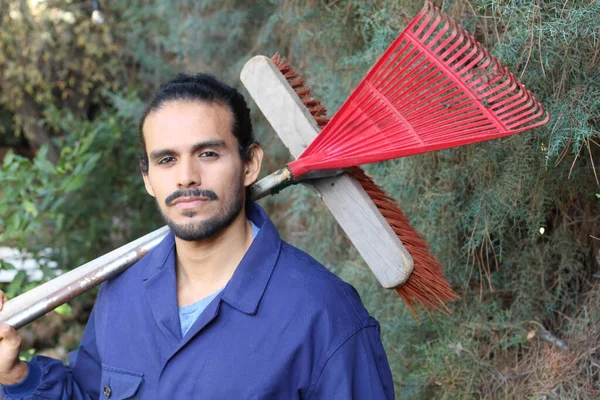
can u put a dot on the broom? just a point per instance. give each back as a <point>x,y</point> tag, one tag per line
<point>426,286</point>
<point>434,88</point>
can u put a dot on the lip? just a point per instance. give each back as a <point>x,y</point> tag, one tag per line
<point>189,202</point>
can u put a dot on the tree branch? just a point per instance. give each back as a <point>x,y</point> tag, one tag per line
<point>35,133</point>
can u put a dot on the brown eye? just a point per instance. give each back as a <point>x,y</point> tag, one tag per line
<point>166,160</point>
<point>209,154</point>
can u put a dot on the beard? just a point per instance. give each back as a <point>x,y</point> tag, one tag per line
<point>200,230</point>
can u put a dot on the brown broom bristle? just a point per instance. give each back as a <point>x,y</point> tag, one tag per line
<point>426,287</point>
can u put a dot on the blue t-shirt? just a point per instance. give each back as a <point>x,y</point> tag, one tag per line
<point>190,313</point>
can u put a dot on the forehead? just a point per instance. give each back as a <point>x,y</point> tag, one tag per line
<point>186,122</point>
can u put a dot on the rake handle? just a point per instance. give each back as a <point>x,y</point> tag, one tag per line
<point>39,301</point>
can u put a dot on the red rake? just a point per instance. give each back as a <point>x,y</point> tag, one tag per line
<point>434,88</point>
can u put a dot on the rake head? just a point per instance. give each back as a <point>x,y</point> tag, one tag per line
<point>434,88</point>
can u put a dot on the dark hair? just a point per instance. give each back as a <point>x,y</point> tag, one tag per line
<point>203,88</point>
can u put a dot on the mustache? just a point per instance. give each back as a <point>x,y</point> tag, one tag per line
<point>194,192</point>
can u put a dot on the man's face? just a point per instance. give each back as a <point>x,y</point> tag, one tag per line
<point>195,171</point>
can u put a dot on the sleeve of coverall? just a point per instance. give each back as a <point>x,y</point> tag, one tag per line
<point>357,369</point>
<point>51,379</point>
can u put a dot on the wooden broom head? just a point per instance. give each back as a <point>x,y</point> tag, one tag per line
<point>434,88</point>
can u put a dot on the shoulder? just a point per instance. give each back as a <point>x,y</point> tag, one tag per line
<point>129,277</point>
<point>315,289</point>
<point>305,300</point>
<point>147,266</point>
<point>130,282</point>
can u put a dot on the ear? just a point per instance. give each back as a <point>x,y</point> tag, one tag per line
<point>252,167</point>
<point>147,184</point>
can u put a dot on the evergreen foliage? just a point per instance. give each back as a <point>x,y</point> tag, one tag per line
<point>514,221</point>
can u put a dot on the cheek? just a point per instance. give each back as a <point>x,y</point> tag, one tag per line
<point>223,178</point>
<point>161,184</point>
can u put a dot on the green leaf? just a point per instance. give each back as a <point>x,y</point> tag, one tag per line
<point>43,152</point>
<point>90,163</point>
<point>65,151</point>
<point>30,208</point>
<point>6,266</point>
<point>44,165</point>
<point>72,183</point>
<point>27,355</point>
<point>87,142</point>
<point>65,310</point>
<point>15,286</point>
<point>8,158</point>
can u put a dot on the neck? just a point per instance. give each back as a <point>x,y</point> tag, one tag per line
<point>205,266</point>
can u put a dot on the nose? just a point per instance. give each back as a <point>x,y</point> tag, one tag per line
<point>189,173</point>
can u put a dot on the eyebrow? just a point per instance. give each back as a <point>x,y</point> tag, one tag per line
<point>197,147</point>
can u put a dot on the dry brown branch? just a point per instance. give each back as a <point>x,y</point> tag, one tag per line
<point>550,338</point>
<point>592,162</point>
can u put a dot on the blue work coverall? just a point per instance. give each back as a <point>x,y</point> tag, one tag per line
<point>284,327</point>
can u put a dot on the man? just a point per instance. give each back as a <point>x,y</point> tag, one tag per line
<point>222,308</point>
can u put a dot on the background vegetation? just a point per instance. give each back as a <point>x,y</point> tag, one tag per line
<point>514,221</point>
